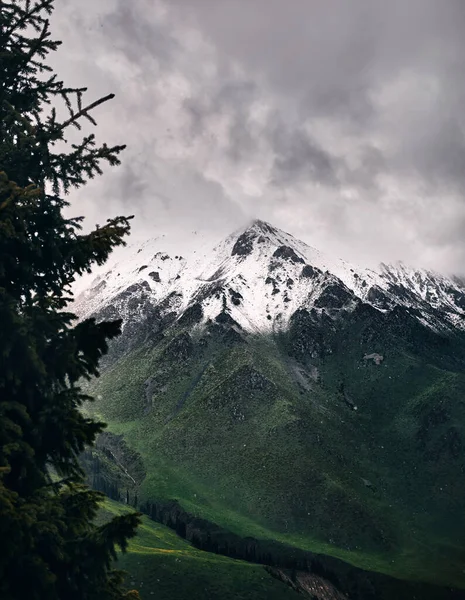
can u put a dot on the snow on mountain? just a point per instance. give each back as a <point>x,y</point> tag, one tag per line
<point>260,276</point>
<point>153,265</point>
<point>436,290</point>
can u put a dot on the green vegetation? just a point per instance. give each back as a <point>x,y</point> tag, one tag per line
<point>265,448</point>
<point>51,548</point>
<point>163,566</point>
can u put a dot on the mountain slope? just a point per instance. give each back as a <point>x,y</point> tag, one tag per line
<point>315,412</point>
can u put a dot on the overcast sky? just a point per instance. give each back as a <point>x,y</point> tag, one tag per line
<point>340,121</point>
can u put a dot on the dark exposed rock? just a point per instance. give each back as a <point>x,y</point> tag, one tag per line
<point>335,295</point>
<point>264,227</point>
<point>193,314</point>
<point>133,304</point>
<point>135,288</point>
<point>225,333</point>
<point>143,320</point>
<point>209,290</point>
<point>161,256</point>
<point>244,244</point>
<point>272,281</point>
<point>378,298</point>
<point>142,268</point>
<point>224,318</point>
<point>310,272</point>
<point>168,319</point>
<point>402,293</point>
<point>287,253</point>
<point>458,297</point>
<point>108,313</point>
<point>236,297</point>
<point>155,275</point>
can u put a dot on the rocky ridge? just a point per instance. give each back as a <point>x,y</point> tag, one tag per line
<point>260,276</point>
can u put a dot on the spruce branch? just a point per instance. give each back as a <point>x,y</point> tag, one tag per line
<point>84,112</point>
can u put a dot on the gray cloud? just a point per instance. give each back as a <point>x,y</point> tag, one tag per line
<point>138,38</point>
<point>299,157</point>
<point>342,121</point>
<point>331,59</point>
<point>231,98</point>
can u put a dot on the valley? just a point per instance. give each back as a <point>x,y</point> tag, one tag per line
<point>242,389</point>
<point>163,566</point>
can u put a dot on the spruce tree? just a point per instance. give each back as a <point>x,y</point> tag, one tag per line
<point>50,548</point>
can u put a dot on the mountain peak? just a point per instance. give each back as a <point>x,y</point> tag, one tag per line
<point>262,226</point>
<point>256,227</point>
<point>263,275</point>
<point>257,231</point>
<point>245,237</point>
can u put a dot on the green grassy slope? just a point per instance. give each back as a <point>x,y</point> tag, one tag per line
<point>163,566</point>
<point>244,435</point>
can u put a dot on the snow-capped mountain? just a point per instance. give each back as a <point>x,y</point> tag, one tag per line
<point>354,408</point>
<point>260,276</point>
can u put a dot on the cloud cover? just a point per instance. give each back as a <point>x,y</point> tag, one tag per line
<point>339,121</point>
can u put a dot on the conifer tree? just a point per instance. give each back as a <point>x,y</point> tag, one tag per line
<point>50,548</point>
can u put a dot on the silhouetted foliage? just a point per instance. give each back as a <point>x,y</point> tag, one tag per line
<point>50,547</point>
